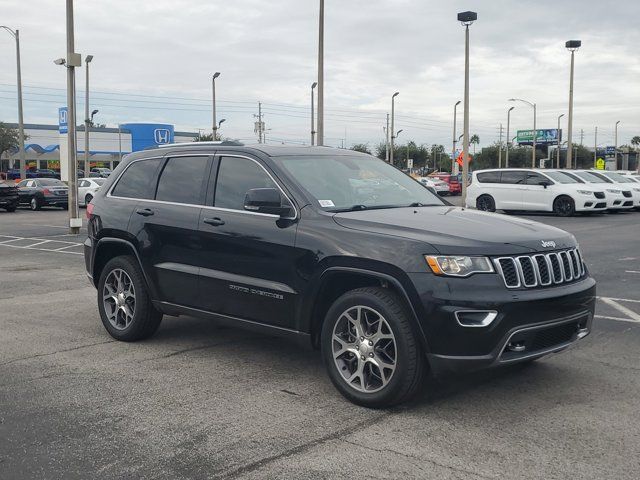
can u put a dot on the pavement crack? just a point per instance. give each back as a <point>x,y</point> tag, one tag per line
<point>303,448</point>
<point>192,349</point>
<point>55,353</point>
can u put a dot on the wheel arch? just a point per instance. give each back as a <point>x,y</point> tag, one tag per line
<point>337,280</point>
<point>111,247</point>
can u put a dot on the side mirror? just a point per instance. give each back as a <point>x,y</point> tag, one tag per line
<point>265,200</point>
<point>544,183</point>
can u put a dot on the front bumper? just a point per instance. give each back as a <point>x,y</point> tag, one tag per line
<point>542,320</point>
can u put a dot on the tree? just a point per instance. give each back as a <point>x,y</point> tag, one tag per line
<point>361,147</point>
<point>474,140</point>
<point>635,141</point>
<point>204,137</point>
<point>9,138</point>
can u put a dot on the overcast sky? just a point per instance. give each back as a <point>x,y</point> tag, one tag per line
<point>154,60</point>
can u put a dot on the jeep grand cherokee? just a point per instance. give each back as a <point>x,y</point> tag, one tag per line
<point>337,249</point>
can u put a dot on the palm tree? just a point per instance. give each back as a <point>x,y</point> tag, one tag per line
<point>635,141</point>
<point>475,139</point>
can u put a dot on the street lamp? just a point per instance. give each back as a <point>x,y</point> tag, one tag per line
<point>506,156</point>
<point>616,147</point>
<point>558,152</point>
<point>466,18</point>
<point>535,132</point>
<point>453,152</point>
<point>572,46</point>
<point>87,120</point>
<point>320,132</point>
<point>23,166</point>
<point>313,128</point>
<point>213,97</point>
<point>393,115</point>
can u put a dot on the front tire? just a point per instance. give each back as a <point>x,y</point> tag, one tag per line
<point>486,203</point>
<point>564,206</point>
<point>124,303</point>
<point>35,204</point>
<point>369,348</point>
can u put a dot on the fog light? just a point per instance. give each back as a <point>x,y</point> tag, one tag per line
<point>475,318</point>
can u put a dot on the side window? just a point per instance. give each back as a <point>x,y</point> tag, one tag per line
<point>181,180</point>
<point>31,183</point>
<point>83,183</point>
<point>138,180</point>
<point>513,177</point>
<point>489,177</point>
<point>535,178</point>
<point>236,176</point>
<point>23,183</point>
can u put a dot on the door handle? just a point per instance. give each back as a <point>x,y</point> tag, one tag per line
<point>145,212</point>
<point>216,222</point>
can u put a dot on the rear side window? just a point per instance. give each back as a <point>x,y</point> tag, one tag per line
<point>181,180</point>
<point>489,177</point>
<point>535,178</point>
<point>513,178</point>
<point>236,176</point>
<point>138,180</point>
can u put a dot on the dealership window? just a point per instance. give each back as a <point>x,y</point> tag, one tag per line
<point>236,176</point>
<point>181,180</point>
<point>513,177</point>
<point>137,180</point>
<point>489,177</point>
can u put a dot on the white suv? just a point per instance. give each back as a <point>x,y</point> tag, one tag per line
<point>527,189</point>
<point>618,198</point>
<point>625,183</point>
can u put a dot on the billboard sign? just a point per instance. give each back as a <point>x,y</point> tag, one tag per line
<point>610,150</point>
<point>63,124</point>
<point>544,136</point>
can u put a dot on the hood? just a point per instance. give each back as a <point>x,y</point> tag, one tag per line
<point>455,230</point>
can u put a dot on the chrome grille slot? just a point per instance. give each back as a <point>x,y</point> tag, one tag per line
<point>540,270</point>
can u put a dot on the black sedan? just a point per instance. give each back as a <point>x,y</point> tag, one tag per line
<point>43,192</point>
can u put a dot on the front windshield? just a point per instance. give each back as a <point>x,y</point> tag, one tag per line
<point>561,177</point>
<point>50,182</point>
<point>356,183</point>
<point>590,177</point>
<point>616,177</point>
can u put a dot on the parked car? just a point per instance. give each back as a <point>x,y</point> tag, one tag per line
<point>625,183</point>
<point>100,172</point>
<point>441,187</point>
<point>43,192</point>
<point>14,173</point>
<point>278,239</point>
<point>8,195</point>
<point>617,198</point>
<point>455,187</point>
<point>87,188</point>
<point>521,189</point>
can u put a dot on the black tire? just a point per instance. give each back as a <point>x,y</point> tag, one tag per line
<point>410,364</point>
<point>146,319</point>
<point>11,208</point>
<point>486,203</point>
<point>35,204</point>
<point>564,206</point>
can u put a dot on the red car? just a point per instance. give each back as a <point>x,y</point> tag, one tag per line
<point>455,187</point>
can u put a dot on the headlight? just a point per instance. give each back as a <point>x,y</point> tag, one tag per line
<point>456,266</point>
<point>614,191</point>
<point>637,189</point>
<point>585,192</point>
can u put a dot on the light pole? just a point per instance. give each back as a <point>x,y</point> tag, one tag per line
<point>615,151</point>
<point>393,116</point>
<point>320,132</point>
<point>23,165</point>
<point>595,148</point>
<point>506,153</point>
<point>213,99</point>
<point>313,128</point>
<point>221,122</point>
<point>558,152</point>
<point>572,46</point>
<point>453,151</point>
<point>535,132</point>
<point>386,141</point>
<point>87,120</point>
<point>466,18</point>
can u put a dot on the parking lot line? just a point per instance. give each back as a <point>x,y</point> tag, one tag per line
<point>633,316</point>
<point>619,299</point>
<point>40,241</point>
<point>618,319</point>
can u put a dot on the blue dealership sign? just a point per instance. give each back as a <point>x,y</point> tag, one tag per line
<point>145,135</point>
<point>63,124</point>
<point>610,150</point>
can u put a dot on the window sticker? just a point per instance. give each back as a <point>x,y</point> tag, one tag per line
<point>326,203</point>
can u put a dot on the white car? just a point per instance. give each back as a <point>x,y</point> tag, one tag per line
<point>616,198</point>
<point>528,189</point>
<point>87,188</point>
<point>623,182</point>
<point>440,186</point>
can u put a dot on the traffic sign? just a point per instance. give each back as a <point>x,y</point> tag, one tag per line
<point>600,163</point>
<point>409,162</point>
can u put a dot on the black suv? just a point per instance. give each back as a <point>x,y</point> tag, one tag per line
<point>337,249</point>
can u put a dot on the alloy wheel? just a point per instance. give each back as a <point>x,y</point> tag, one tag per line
<point>119,299</point>
<point>364,349</point>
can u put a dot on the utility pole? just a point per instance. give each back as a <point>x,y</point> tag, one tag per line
<point>581,136</point>
<point>386,144</point>
<point>313,128</point>
<point>500,149</point>
<point>213,100</point>
<point>506,156</point>
<point>87,120</point>
<point>616,147</point>
<point>321,76</point>
<point>572,46</point>
<point>453,151</point>
<point>73,60</point>
<point>558,152</point>
<point>393,128</point>
<point>259,126</point>
<point>595,148</point>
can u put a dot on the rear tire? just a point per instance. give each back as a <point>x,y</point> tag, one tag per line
<point>124,303</point>
<point>382,364</point>
<point>564,206</point>
<point>486,203</point>
<point>35,204</point>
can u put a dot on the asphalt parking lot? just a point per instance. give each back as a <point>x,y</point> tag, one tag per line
<point>202,401</point>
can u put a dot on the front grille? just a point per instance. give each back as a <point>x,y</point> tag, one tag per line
<point>601,205</point>
<point>599,195</point>
<point>626,193</point>
<point>542,269</point>
<point>550,337</point>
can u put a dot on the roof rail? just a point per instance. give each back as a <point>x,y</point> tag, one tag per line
<point>223,143</point>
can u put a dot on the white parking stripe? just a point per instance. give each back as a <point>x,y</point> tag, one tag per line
<point>40,241</point>
<point>619,319</point>
<point>619,299</point>
<point>633,316</point>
